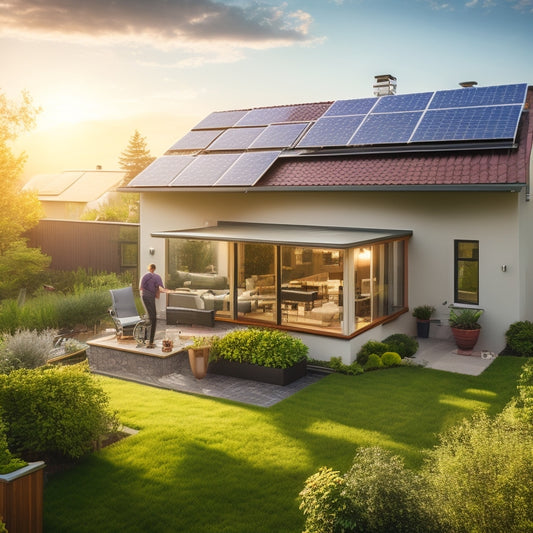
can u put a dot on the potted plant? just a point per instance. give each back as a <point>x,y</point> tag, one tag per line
<point>423,313</point>
<point>465,327</point>
<point>199,352</point>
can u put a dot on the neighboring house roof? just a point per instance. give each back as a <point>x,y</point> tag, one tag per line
<point>81,186</point>
<point>231,150</point>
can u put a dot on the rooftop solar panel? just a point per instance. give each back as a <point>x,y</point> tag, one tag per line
<point>331,131</point>
<point>248,169</point>
<point>235,139</point>
<point>469,123</point>
<point>221,119</point>
<point>360,106</point>
<point>387,128</point>
<point>196,140</point>
<point>279,135</point>
<point>402,102</point>
<point>162,171</point>
<point>205,170</point>
<point>480,96</point>
<point>267,115</point>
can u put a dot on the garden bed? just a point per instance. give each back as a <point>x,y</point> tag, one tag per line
<point>274,376</point>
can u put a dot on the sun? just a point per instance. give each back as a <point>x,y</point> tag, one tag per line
<point>66,107</point>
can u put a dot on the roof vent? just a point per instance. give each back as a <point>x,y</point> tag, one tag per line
<point>468,83</point>
<point>384,85</point>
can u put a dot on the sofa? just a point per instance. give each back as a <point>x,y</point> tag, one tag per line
<point>194,280</point>
<point>188,308</point>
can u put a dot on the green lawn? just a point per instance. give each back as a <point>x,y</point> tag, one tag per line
<point>208,465</point>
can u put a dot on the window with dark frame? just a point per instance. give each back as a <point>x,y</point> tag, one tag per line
<point>466,272</point>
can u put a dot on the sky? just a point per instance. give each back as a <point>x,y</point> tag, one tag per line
<point>101,69</point>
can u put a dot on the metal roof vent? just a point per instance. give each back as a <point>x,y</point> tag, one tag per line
<point>384,85</point>
<point>468,83</point>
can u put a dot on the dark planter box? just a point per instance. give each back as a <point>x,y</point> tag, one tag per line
<point>274,376</point>
<point>422,328</point>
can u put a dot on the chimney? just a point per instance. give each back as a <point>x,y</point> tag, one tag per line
<point>384,85</point>
<point>468,83</point>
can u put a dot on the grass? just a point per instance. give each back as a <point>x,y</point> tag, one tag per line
<point>209,465</point>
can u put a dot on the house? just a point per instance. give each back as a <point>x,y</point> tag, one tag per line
<point>334,219</point>
<point>67,195</point>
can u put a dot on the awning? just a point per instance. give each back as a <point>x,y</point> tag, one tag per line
<point>287,234</point>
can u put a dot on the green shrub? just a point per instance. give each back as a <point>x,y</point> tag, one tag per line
<point>25,349</point>
<point>402,344</point>
<point>264,347</point>
<point>384,496</point>
<point>8,463</point>
<point>56,311</point>
<point>391,359</point>
<point>54,410</point>
<point>368,348</point>
<point>480,476</point>
<point>522,405</point>
<point>519,338</point>
<point>352,369</point>
<point>323,503</point>
<point>373,362</point>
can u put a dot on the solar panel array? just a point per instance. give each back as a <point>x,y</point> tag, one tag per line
<point>236,148</point>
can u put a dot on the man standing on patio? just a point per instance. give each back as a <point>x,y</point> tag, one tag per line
<point>150,287</point>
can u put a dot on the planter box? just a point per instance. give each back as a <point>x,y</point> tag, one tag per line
<point>274,376</point>
<point>21,498</point>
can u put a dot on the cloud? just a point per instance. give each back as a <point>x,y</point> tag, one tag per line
<point>161,23</point>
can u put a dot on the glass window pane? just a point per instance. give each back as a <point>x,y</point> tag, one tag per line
<point>257,282</point>
<point>467,272</point>
<point>312,288</point>
<point>200,268</point>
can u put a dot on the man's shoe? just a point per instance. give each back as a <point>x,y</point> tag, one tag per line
<point>151,346</point>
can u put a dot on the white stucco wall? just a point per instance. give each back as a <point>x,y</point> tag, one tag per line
<point>436,219</point>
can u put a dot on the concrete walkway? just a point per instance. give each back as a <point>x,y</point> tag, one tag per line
<point>443,355</point>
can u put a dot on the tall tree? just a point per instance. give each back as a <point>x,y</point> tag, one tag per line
<point>135,158</point>
<point>19,210</point>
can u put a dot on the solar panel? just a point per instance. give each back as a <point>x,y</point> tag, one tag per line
<point>196,140</point>
<point>279,135</point>
<point>248,169</point>
<point>361,106</point>
<point>480,96</point>
<point>205,170</point>
<point>402,102</point>
<point>220,119</point>
<point>385,128</point>
<point>264,116</point>
<point>235,139</point>
<point>469,123</point>
<point>162,171</point>
<point>331,131</point>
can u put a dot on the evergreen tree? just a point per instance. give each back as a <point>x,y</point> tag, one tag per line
<point>135,158</point>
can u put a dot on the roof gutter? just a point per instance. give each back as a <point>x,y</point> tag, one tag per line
<point>485,187</point>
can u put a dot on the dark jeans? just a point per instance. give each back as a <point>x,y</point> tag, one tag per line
<point>149,303</point>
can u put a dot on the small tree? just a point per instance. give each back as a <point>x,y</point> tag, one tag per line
<point>135,158</point>
<point>19,210</point>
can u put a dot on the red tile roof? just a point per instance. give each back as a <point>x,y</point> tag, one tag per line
<point>489,168</point>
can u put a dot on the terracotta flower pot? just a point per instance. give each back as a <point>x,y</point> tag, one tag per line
<point>199,359</point>
<point>466,339</point>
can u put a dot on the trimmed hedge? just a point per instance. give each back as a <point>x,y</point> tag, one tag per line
<point>263,347</point>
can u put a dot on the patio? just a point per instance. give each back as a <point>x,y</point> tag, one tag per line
<point>171,370</point>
